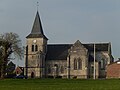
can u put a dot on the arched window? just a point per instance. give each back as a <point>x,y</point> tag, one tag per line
<point>79,64</point>
<point>36,48</point>
<point>32,48</point>
<point>75,64</point>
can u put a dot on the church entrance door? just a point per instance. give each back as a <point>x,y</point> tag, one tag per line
<point>32,75</point>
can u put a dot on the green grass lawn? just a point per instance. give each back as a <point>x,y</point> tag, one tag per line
<point>59,84</point>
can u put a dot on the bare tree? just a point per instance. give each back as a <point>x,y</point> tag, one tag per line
<point>9,43</point>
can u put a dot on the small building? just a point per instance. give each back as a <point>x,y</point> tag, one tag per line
<point>10,67</point>
<point>10,70</point>
<point>113,70</point>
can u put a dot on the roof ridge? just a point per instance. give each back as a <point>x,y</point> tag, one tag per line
<point>98,43</point>
<point>60,44</point>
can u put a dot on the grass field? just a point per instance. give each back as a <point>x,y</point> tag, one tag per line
<point>59,84</point>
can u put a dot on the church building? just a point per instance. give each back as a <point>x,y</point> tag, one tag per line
<point>64,60</point>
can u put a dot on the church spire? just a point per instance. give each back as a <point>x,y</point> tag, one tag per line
<point>37,30</point>
<point>37,26</point>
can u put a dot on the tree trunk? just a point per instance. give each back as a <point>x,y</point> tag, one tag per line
<point>2,71</point>
<point>4,61</point>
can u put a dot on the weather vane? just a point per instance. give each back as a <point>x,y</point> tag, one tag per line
<point>37,5</point>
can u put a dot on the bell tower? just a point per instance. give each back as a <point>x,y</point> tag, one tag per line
<point>36,43</point>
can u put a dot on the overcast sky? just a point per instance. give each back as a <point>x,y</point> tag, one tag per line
<point>65,21</point>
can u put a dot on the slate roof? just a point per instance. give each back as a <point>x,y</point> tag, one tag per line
<point>36,36</point>
<point>57,51</point>
<point>60,51</point>
<point>91,58</point>
<point>37,30</point>
<point>98,47</point>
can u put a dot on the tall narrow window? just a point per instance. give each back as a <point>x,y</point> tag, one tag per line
<point>36,48</point>
<point>62,69</point>
<point>49,69</point>
<point>92,69</point>
<point>79,64</point>
<point>102,64</point>
<point>32,48</point>
<point>45,48</point>
<point>75,64</point>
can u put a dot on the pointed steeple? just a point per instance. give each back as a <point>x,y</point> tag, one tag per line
<point>37,26</point>
<point>37,30</point>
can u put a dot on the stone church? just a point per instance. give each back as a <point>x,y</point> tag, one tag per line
<point>64,60</point>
